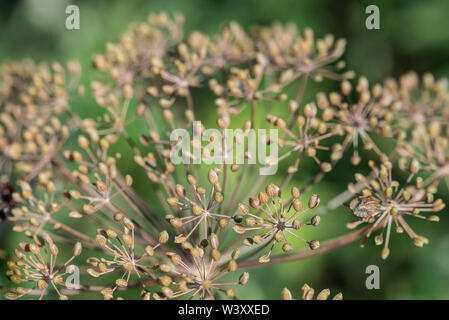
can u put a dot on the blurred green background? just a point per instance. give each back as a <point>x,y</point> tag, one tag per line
<point>413,35</point>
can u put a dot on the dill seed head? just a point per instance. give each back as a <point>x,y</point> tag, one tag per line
<point>276,220</point>
<point>62,177</point>
<point>385,203</point>
<point>36,263</point>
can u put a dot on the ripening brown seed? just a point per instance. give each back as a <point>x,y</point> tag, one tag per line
<point>243,208</point>
<point>295,192</point>
<point>326,166</point>
<point>77,249</point>
<point>127,239</point>
<point>287,247</point>
<point>83,142</point>
<point>88,209</point>
<point>216,255</point>
<point>286,294</point>
<point>180,190</point>
<point>263,197</point>
<point>232,266</point>
<point>101,240</point>
<point>214,241</point>
<point>172,201</point>
<point>223,223</point>
<point>244,278</point>
<point>310,110</point>
<point>297,205</point>
<point>197,210</point>
<point>272,190</point>
<point>314,201</point>
<point>149,250</point>
<point>176,222</point>
<point>315,221</point>
<point>314,244</point>
<point>254,202</point>
<point>297,224</point>
<point>163,237</point>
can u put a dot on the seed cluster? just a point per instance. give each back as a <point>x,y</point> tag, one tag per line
<point>37,264</point>
<point>107,184</point>
<point>391,202</point>
<point>307,293</point>
<point>276,219</point>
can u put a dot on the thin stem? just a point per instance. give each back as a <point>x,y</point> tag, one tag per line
<point>253,114</point>
<point>190,101</point>
<point>72,231</point>
<point>289,176</point>
<point>299,97</point>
